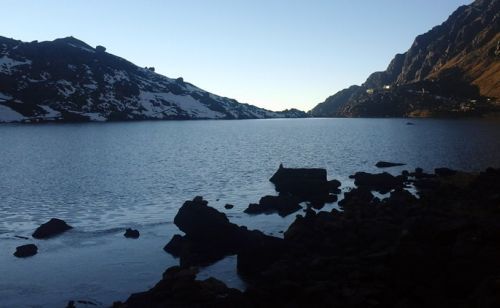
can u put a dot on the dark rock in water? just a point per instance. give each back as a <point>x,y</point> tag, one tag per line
<point>179,288</point>
<point>228,206</point>
<point>385,164</point>
<point>210,236</point>
<point>131,233</point>
<point>283,205</point>
<point>410,123</point>
<point>51,228</point>
<point>444,172</point>
<point>300,182</point>
<point>22,237</point>
<point>334,186</point>
<point>26,251</point>
<point>382,182</point>
<point>71,304</point>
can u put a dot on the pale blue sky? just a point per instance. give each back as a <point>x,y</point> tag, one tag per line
<point>275,54</point>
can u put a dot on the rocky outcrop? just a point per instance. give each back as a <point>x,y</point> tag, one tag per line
<point>209,237</point>
<point>452,70</point>
<point>26,251</point>
<point>51,228</point>
<point>68,80</point>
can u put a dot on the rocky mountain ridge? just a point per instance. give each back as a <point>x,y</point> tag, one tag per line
<point>453,69</point>
<point>68,80</point>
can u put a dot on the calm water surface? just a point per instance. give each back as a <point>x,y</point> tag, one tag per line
<point>101,178</point>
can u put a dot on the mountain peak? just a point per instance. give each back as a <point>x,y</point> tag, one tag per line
<point>47,81</point>
<point>452,69</point>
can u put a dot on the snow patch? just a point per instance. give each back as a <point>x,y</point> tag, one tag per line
<point>9,115</point>
<point>65,88</point>
<point>5,97</point>
<point>82,48</point>
<point>190,105</point>
<point>49,112</point>
<point>95,116</point>
<point>7,65</point>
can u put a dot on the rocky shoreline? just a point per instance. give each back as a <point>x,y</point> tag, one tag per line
<point>437,247</point>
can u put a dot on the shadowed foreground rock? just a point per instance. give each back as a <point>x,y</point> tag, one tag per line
<point>51,228</point>
<point>439,250</point>
<point>178,288</point>
<point>26,251</point>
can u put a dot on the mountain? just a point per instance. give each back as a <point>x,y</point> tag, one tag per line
<point>453,69</point>
<point>68,80</point>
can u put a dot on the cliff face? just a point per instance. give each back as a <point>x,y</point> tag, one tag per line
<point>450,66</point>
<point>68,80</point>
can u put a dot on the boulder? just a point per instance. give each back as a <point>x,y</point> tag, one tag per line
<point>26,251</point>
<point>51,228</point>
<point>381,182</point>
<point>283,205</point>
<point>131,233</point>
<point>385,164</point>
<point>300,182</point>
<point>228,206</point>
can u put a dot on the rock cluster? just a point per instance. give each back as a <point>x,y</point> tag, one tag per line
<point>439,249</point>
<point>210,237</point>
<point>294,186</point>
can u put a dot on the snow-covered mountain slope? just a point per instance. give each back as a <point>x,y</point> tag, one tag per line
<point>68,80</point>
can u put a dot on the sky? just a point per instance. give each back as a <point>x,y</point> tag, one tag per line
<point>275,54</point>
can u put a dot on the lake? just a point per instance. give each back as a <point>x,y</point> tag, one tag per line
<point>104,177</point>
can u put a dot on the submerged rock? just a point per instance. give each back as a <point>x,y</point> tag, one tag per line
<point>385,164</point>
<point>51,228</point>
<point>131,233</point>
<point>26,251</point>
<point>228,206</point>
